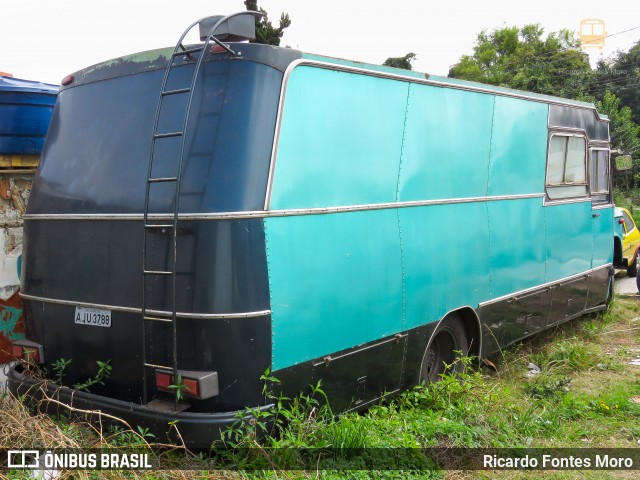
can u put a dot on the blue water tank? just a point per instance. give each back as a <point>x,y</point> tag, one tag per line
<point>25,112</point>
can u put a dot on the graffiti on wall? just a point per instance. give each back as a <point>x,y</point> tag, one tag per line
<point>11,325</point>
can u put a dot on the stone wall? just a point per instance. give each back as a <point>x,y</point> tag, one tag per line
<point>15,187</point>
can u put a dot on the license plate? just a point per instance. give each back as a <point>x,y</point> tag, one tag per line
<point>93,316</point>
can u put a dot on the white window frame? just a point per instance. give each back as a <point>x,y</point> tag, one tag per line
<point>608,186</point>
<point>553,186</point>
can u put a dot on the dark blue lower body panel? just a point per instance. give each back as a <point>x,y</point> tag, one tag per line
<point>197,430</point>
<point>353,378</point>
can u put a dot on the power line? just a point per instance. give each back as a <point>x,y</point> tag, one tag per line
<point>627,83</point>
<point>610,83</point>
<point>541,56</point>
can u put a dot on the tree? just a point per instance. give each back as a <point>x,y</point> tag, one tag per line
<point>621,76</point>
<point>625,136</point>
<point>524,59</point>
<point>400,62</point>
<point>265,32</point>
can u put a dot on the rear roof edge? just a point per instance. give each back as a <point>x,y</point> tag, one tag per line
<point>276,57</point>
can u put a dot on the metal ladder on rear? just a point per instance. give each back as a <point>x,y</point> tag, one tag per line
<point>167,223</point>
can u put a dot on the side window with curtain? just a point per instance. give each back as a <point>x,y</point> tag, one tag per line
<point>599,176</point>
<point>566,167</point>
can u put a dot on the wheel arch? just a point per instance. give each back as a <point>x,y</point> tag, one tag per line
<point>471,322</point>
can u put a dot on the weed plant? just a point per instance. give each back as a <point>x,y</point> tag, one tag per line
<point>585,395</point>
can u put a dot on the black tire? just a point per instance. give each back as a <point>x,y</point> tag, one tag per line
<point>611,291</point>
<point>638,283</point>
<point>448,344</point>
<point>632,270</point>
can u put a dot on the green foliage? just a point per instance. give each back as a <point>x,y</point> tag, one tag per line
<point>179,388</point>
<point>265,32</point>
<point>401,62</point>
<point>120,437</point>
<point>620,75</point>
<point>564,356</point>
<point>577,401</point>
<point>625,136</point>
<point>547,386</point>
<point>524,59</point>
<point>289,423</point>
<point>59,367</point>
<point>104,371</point>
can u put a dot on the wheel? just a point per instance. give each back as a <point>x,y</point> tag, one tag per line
<point>448,343</point>
<point>611,290</point>
<point>638,283</point>
<point>632,270</point>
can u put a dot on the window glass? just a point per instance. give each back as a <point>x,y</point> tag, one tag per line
<point>566,167</point>
<point>555,163</point>
<point>574,171</point>
<point>571,191</point>
<point>599,176</point>
<point>601,172</point>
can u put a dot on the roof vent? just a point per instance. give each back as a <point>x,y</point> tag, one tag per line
<point>233,29</point>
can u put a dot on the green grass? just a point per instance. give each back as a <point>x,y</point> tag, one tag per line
<point>585,396</point>
<point>581,398</point>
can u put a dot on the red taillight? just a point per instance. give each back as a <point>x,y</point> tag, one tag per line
<point>191,387</point>
<point>163,380</point>
<point>621,221</point>
<point>28,351</point>
<point>217,49</point>
<point>193,384</point>
<point>67,80</point>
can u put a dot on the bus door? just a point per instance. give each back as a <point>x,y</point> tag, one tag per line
<point>602,223</point>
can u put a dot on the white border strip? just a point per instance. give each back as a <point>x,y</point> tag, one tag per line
<point>527,291</point>
<point>285,213</point>
<point>392,76</point>
<point>162,313</point>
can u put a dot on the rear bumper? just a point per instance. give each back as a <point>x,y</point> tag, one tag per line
<point>622,263</point>
<point>196,430</point>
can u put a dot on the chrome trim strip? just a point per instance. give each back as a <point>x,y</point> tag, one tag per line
<point>542,286</point>
<point>437,83</point>
<point>161,367</point>
<point>604,206</point>
<point>567,131</point>
<point>90,216</point>
<point>551,203</point>
<point>392,76</point>
<point>197,316</point>
<point>290,212</point>
<point>276,134</point>
<point>327,359</point>
<point>373,400</point>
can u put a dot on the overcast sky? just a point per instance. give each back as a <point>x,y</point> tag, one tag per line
<point>46,40</point>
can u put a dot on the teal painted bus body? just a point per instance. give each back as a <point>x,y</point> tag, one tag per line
<point>427,174</point>
<point>333,222</point>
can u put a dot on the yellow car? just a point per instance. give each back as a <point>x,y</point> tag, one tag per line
<point>630,240</point>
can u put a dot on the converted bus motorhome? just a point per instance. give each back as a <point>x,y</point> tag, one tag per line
<point>205,213</point>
